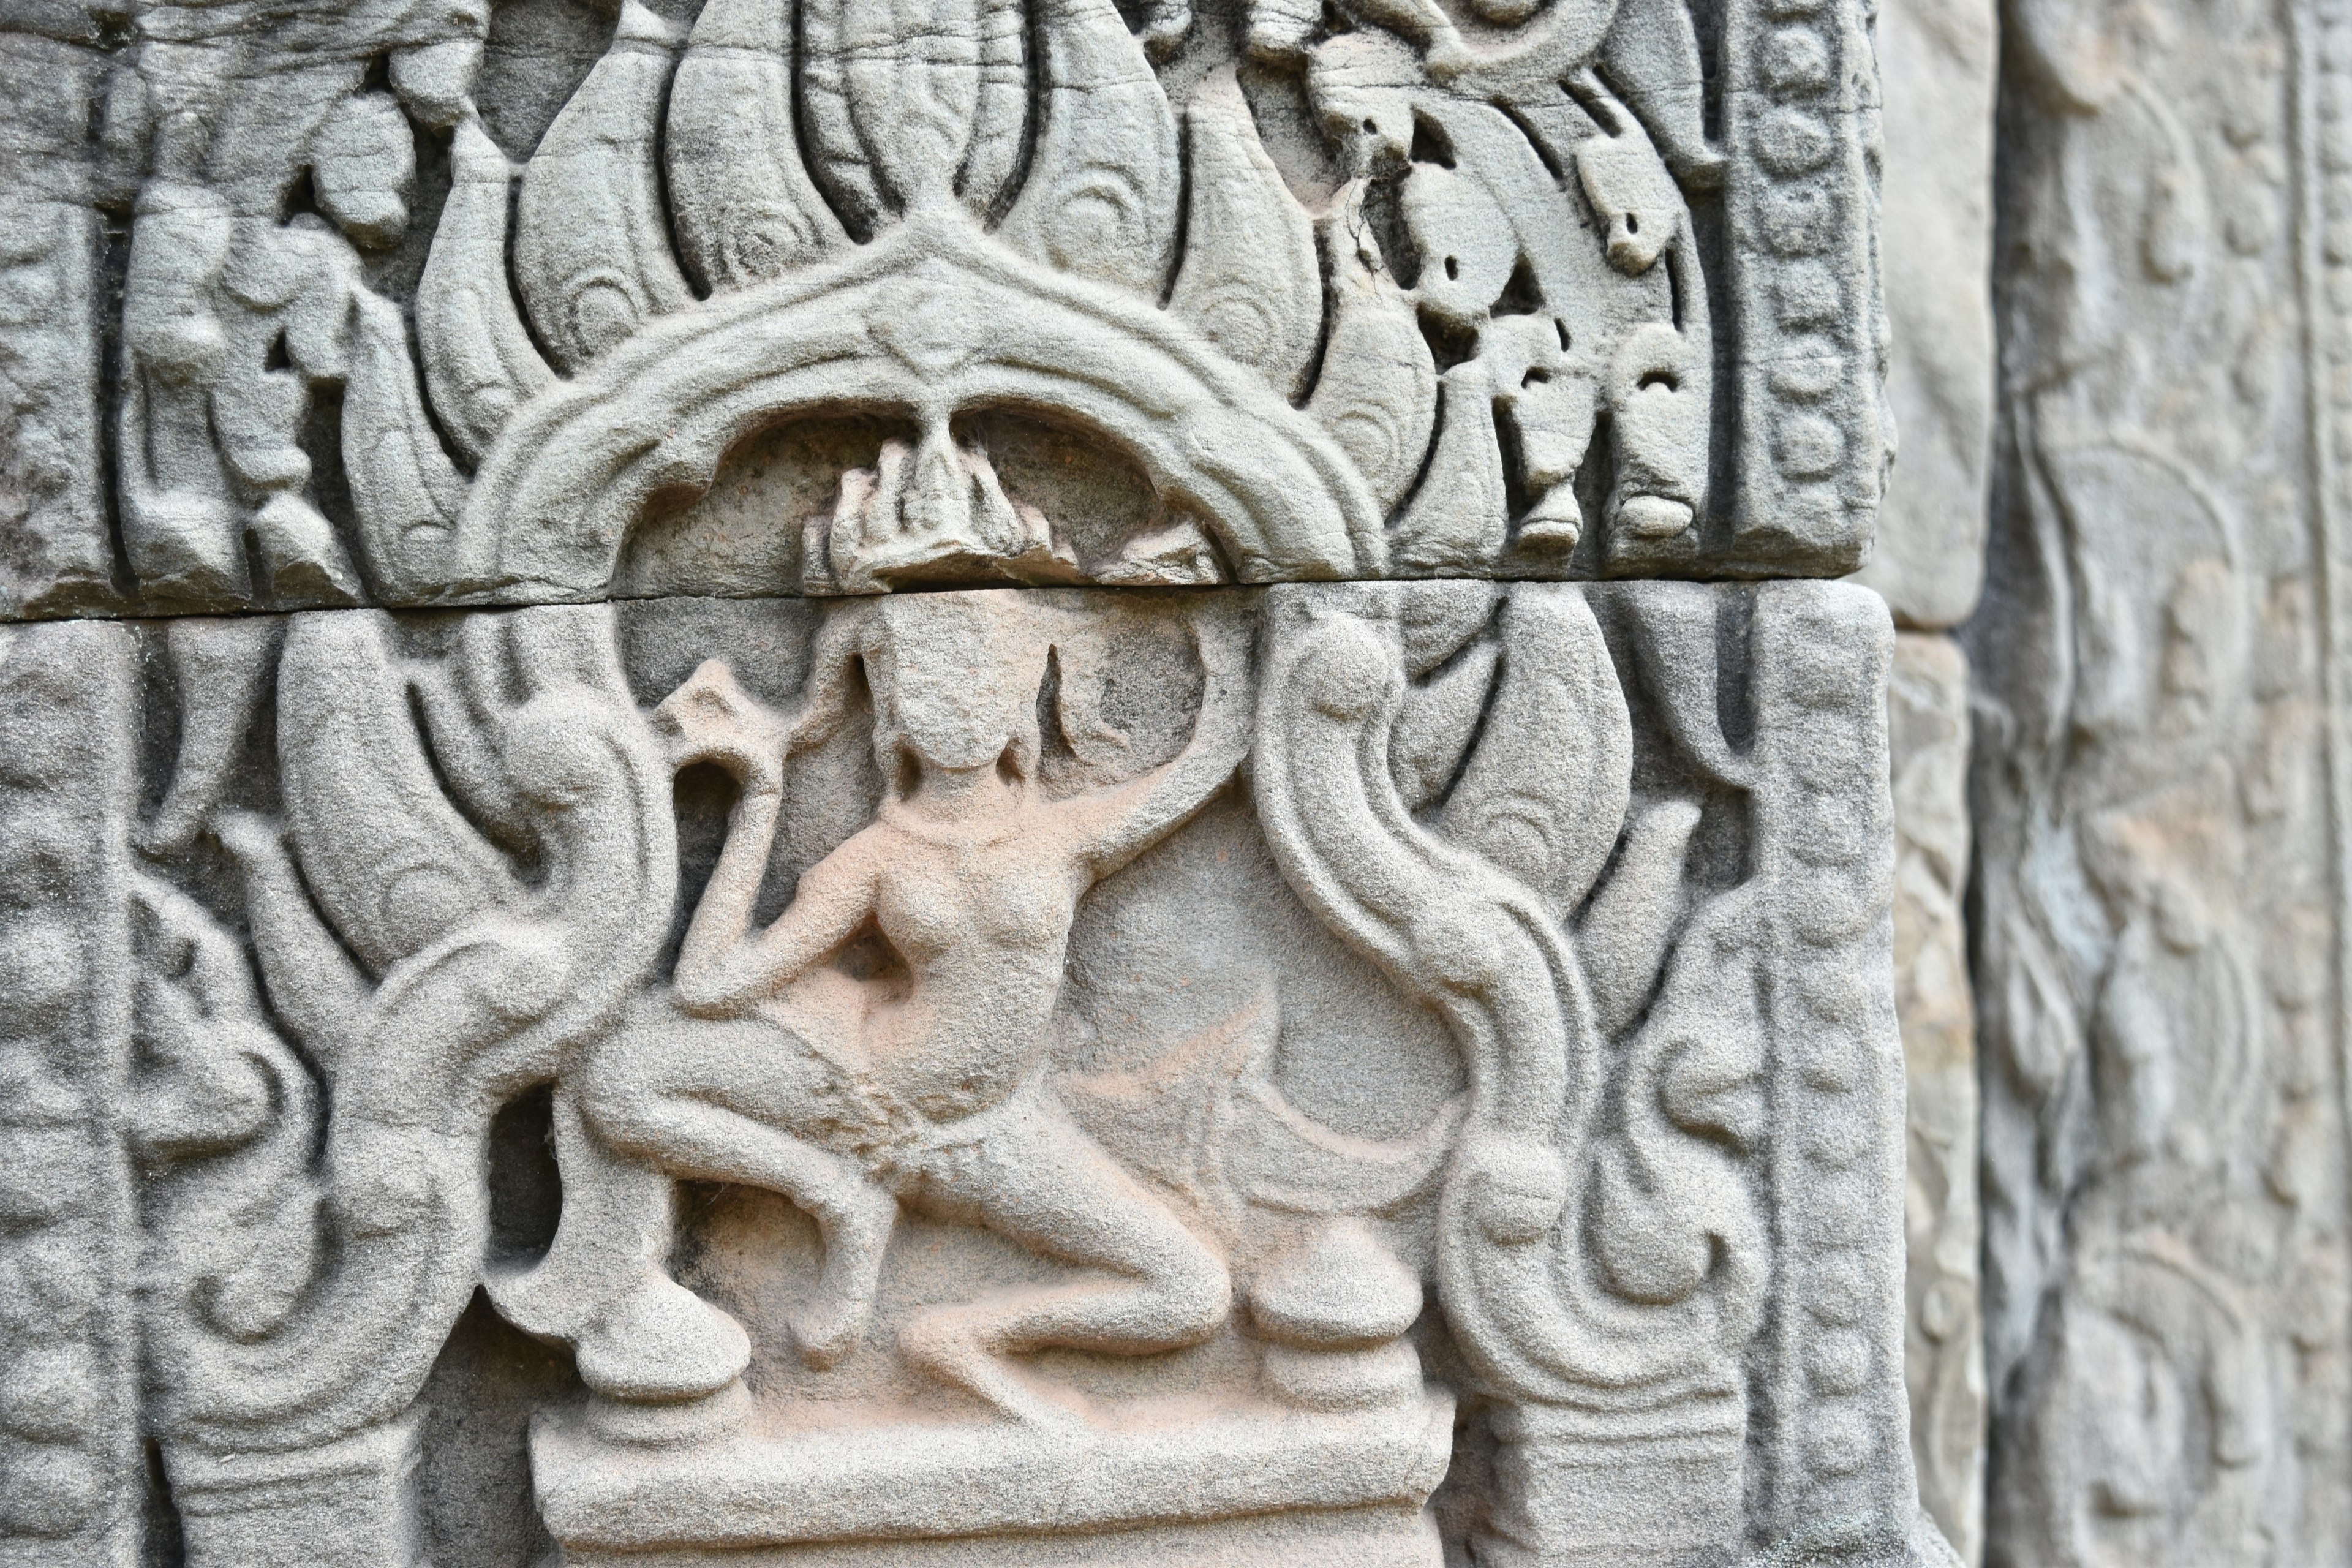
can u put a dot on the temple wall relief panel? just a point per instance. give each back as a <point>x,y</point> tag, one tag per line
<point>1054,1071</point>
<point>402,304</point>
<point>993,782</point>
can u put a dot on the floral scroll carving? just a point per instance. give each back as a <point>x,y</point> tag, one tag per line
<point>911,782</point>
<point>1390,293</point>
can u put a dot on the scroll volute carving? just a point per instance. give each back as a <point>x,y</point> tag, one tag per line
<point>819,206</point>
<point>1570,1258</point>
<point>473,868</point>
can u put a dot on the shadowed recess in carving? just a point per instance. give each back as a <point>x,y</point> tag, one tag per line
<point>526,1191</point>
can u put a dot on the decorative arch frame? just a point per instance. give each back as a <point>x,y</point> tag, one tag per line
<point>932,320</point>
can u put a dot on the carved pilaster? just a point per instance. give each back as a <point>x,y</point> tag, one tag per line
<point>72,1470</point>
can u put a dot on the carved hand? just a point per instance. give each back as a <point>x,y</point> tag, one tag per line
<point>712,718</point>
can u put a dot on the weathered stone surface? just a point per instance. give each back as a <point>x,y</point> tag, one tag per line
<point>57,554</point>
<point>1928,728</point>
<point>467,304</point>
<point>1938,59</point>
<point>72,1474</point>
<point>2158,795</point>
<point>1294,1075</point>
<point>1298,1005</point>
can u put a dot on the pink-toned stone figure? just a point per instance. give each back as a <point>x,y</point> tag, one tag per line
<point>766,1064</point>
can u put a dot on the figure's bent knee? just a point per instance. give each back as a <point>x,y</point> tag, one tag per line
<point>618,1110</point>
<point>1197,1291</point>
<point>625,1091</point>
<point>706,990</point>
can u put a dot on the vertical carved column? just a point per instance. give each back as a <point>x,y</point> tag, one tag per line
<point>1801,111</point>
<point>1231,899</point>
<point>1927,715</point>
<point>56,552</point>
<point>72,1473</point>
<point>1938,59</point>
<point>1820,823</point>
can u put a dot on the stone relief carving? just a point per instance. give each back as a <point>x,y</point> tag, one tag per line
<point>1939,59</point>
<point>1927,727</point>
<point>55,555</point>
<point>69,1228</point>
<point>417,308</point>
<point>889,810</point>
<point>1483,1050</point>
<point>2161,915</point>
<point>1027,1072</point>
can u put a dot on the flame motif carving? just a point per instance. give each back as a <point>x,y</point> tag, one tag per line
<point>919,216</point>
<point>922,211</point>
<point>889,245</point>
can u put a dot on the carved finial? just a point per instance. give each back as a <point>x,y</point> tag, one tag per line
<point>934,510</point>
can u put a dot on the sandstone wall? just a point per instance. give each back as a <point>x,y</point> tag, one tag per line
<point>991,782</point>
<point>2157,920</point>
<point>1940,61</point>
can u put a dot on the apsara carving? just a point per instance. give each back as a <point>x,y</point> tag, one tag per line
<point>904,1001</point>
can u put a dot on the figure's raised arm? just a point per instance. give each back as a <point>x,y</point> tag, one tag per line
<point>721,968</point>
<point>1119,822</point>
<point>711,719</point>
<point>825,697</point>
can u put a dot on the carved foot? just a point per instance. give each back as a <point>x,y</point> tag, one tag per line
<point>304,562</point>
<point>712,1418</point>
<point>663,1343</point>
<point>856,1219</point>
<point>952,1349</point>
<point>830,1326</point>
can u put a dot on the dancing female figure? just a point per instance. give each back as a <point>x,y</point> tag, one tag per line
<point>768,1065</point>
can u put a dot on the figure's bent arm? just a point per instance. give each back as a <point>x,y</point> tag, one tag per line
<point>825,699</point>
<point>721,968</point>
<point>1120,822</point>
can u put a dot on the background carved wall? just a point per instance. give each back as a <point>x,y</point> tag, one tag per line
<point>985,782</point>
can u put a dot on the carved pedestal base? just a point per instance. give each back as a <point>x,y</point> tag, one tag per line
<point>1360,1538</point>
<point>1263,1486</point>
<point>1660,1489</point>
<point>339,1505</point>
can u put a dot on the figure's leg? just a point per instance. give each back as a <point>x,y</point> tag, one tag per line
<point>1042,1183</point>
<point>713,1101</point>
<point>637,1335</point>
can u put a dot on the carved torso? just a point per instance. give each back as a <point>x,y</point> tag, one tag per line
<point>979,913</point>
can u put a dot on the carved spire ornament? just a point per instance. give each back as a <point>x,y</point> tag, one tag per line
<point>1467,328</point>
